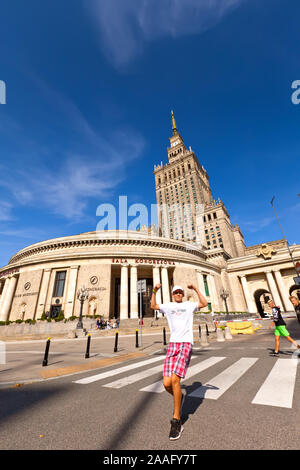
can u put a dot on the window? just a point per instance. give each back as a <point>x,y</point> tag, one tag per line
<point>59,284</point>
<point>215,215</point>
<point>205,284</point>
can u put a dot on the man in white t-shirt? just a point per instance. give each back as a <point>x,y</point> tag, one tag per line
<point>180,317</point>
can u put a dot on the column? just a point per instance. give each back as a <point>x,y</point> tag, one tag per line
<point>4,291</point>
<point>200,282</point>
<point>165,285</point>
<point>249,301</point>
<point>283,292</point>
<point>43,293</point>
<point>124,293</point>
<point>213,292</point>
<point>273,289</point>
<point>8,298</point>
<point>156,280</point>
<point>134,308</point>
<point>71,294</point>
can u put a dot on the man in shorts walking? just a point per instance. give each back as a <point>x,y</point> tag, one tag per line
<point>280,328</point>
<point>180,319</point>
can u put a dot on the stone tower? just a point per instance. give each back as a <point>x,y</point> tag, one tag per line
<point>186,209</point>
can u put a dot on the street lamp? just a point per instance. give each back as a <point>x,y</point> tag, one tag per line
<point>82,296</point>
<point>224,295</point>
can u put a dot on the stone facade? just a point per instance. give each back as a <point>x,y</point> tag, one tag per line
<point>46,276</point>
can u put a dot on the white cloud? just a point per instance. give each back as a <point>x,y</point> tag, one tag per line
<point>125,25</point>
<point>67,189</point>
<point>77,176</point>
<point>6,211</point>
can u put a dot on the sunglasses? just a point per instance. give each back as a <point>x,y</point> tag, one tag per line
<point>178,292</point>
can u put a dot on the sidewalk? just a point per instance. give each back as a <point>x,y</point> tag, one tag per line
<point>21,361</point>
<point>24,359</point>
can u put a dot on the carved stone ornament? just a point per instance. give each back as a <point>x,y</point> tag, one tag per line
<point>266,251</point>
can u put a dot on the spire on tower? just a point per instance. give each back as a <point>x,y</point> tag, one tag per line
<point>174,124</point>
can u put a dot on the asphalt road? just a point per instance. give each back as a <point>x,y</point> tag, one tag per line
<point>64,414</point>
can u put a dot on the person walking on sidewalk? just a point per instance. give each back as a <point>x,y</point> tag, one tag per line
<point>280,328</point>
<point>180,319</point>
<point>296,305</point>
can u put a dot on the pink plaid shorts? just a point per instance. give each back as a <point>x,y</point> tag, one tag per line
<point>177,359</point>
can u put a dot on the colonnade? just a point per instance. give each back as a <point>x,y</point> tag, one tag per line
<point>160,276</point>
<point>275,282</point>
<point>278,290</point>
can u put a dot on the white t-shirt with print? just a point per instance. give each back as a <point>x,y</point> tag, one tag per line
<point>180,317</point>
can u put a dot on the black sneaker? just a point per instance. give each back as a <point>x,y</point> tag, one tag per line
<point>176,429</point>
<point>275,354</point>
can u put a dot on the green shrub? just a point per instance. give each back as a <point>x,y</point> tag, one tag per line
<point>60,316</point>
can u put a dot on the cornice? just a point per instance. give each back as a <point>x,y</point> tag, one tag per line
<point>104,239</point>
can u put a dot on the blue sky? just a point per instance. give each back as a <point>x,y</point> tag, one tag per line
<point>89,89</point>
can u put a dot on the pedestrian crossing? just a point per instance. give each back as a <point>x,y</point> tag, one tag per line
<point>277,389</point>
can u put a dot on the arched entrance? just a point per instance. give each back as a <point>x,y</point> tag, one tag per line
<point>295,290</point>
<point>261,297</point>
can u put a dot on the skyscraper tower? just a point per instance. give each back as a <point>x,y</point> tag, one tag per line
<point>186,209</point>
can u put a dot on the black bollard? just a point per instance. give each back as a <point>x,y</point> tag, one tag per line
<point>137,338</point>
<point>87,353</point>
<point>116,342</point>
<point>165,339</point>
<point>207,332</point>
<point>45,361</point>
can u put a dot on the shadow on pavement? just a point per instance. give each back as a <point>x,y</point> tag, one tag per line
<point>191,404</point>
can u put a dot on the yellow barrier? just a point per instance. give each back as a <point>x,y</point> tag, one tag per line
<point>242,327</point>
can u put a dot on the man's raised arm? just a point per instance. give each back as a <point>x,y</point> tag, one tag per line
<point>153,304</point>
<point>202,300</point>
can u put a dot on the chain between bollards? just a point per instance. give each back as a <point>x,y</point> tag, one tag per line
<point>116,342</point>
<point>45,361</point>
<point>87,353</point>
<point>165,339</point>
<point>137,338</point>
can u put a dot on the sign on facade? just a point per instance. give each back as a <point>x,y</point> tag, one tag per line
<point>141,286</point>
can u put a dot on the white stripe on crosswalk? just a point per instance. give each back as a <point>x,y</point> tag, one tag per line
<point>158,387</point>
<point>222,382</point>
<point>135,377</point>
<point>278,388</point>
<point>120,370</point>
